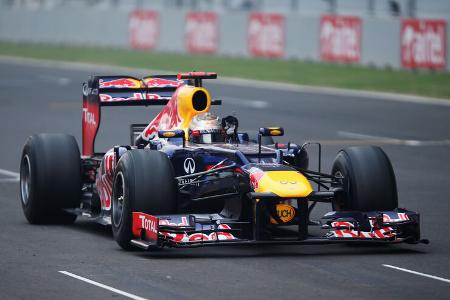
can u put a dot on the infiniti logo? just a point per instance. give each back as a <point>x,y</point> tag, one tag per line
<point>189,165</point>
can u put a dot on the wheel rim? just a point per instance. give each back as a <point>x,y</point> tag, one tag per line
<point>25,179</point>
<point>118,199</point>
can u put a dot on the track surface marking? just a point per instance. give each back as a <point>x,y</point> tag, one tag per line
<point>417,273</point>
<point>103,286</point>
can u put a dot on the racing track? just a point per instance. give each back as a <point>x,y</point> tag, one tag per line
<point>42,99</point>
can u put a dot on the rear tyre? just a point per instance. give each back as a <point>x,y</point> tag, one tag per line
<point>144,181</point>
<point>50,178</point>
<point>368,180</point>
<point>265,140</point>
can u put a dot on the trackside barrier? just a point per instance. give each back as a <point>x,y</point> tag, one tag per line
<point>380,42</point>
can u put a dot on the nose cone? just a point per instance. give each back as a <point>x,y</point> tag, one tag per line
<point>286,184</point>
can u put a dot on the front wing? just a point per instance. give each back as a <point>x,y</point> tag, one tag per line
<point>399,226</point>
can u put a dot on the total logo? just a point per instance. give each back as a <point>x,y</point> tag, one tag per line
<point>189,165</point>
<point>89,117</point>
<point>148,224</point>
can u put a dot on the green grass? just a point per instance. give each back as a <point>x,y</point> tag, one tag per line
<point>291,71</point>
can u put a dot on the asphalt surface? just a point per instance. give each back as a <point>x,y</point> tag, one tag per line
<point>42,99</point>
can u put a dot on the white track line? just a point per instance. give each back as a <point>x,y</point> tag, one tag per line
<point>417,273</point>
<point>103,286</point>
<point>388,140</point>
<point>11,174</point>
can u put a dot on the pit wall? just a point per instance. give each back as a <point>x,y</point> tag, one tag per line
<point>379,42</point>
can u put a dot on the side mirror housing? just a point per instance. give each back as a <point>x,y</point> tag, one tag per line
<point>168,134</point>
<point>271,131</point>
<point>171,134</point>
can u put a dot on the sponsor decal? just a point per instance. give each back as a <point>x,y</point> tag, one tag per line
<point>135,96</point>
<point>384,233</point>
<point>202,32</point>
<point>168,118</point>
<point>188,181</point>
<point>143,29</point>
<point>342,225</point>
<point>285,212</point>
<point>340,38</point>
<point>184,222</point>
<point>196,237</point>
<point>119,83</point>
<point>147,223</point>
<point>423,44</point>
<point>88,117</point>
<point>189,165</point>
<point>400,217</point>
<point>88,90</point>
<point>104,179</point>
<point>266,35</point>
<point>162,82</point>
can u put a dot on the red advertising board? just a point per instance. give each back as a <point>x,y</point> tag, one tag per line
<point>202,32</point>
<point>423,44</point>
<point>266,35</point>
<point>143,29</point>
<point>340,38</point>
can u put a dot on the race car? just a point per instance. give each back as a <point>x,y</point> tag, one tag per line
<point>191,179</point>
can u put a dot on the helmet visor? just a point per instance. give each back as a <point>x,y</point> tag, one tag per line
<point>199,137</point>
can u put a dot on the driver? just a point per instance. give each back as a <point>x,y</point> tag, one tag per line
<point>206,129</point>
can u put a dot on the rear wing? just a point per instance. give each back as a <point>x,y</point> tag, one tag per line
<point>125,91</point>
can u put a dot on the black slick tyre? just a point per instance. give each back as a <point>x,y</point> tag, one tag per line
<point>144,181</point>
<point>50,178</point>
<point>368,180</point>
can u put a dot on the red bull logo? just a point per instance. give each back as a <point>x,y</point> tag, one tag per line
<point>161,82</point>
<point>120,83</point>
<point>135,96</point>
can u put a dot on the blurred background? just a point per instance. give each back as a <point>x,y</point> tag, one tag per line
<point>398,34</point>
<point>381,8</point>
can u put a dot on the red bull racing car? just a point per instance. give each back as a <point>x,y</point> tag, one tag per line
<point>190,179</point>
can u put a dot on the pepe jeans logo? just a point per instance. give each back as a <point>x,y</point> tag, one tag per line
<point>189,165</point>
<point>287,182</point>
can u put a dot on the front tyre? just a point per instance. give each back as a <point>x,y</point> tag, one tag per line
<point>144,181</point>
<point>50,178</point>
<point>368,180</point>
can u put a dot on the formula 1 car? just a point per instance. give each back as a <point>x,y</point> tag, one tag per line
<point>178,185</point>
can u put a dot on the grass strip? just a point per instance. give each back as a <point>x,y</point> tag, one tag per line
<point>291,71</point>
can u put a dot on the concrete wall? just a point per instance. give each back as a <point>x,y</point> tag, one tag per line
<point>381,42</point>
<point>380,45</point>
<point>62,26</point>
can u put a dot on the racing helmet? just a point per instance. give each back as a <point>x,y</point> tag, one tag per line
<point>206,129</point>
